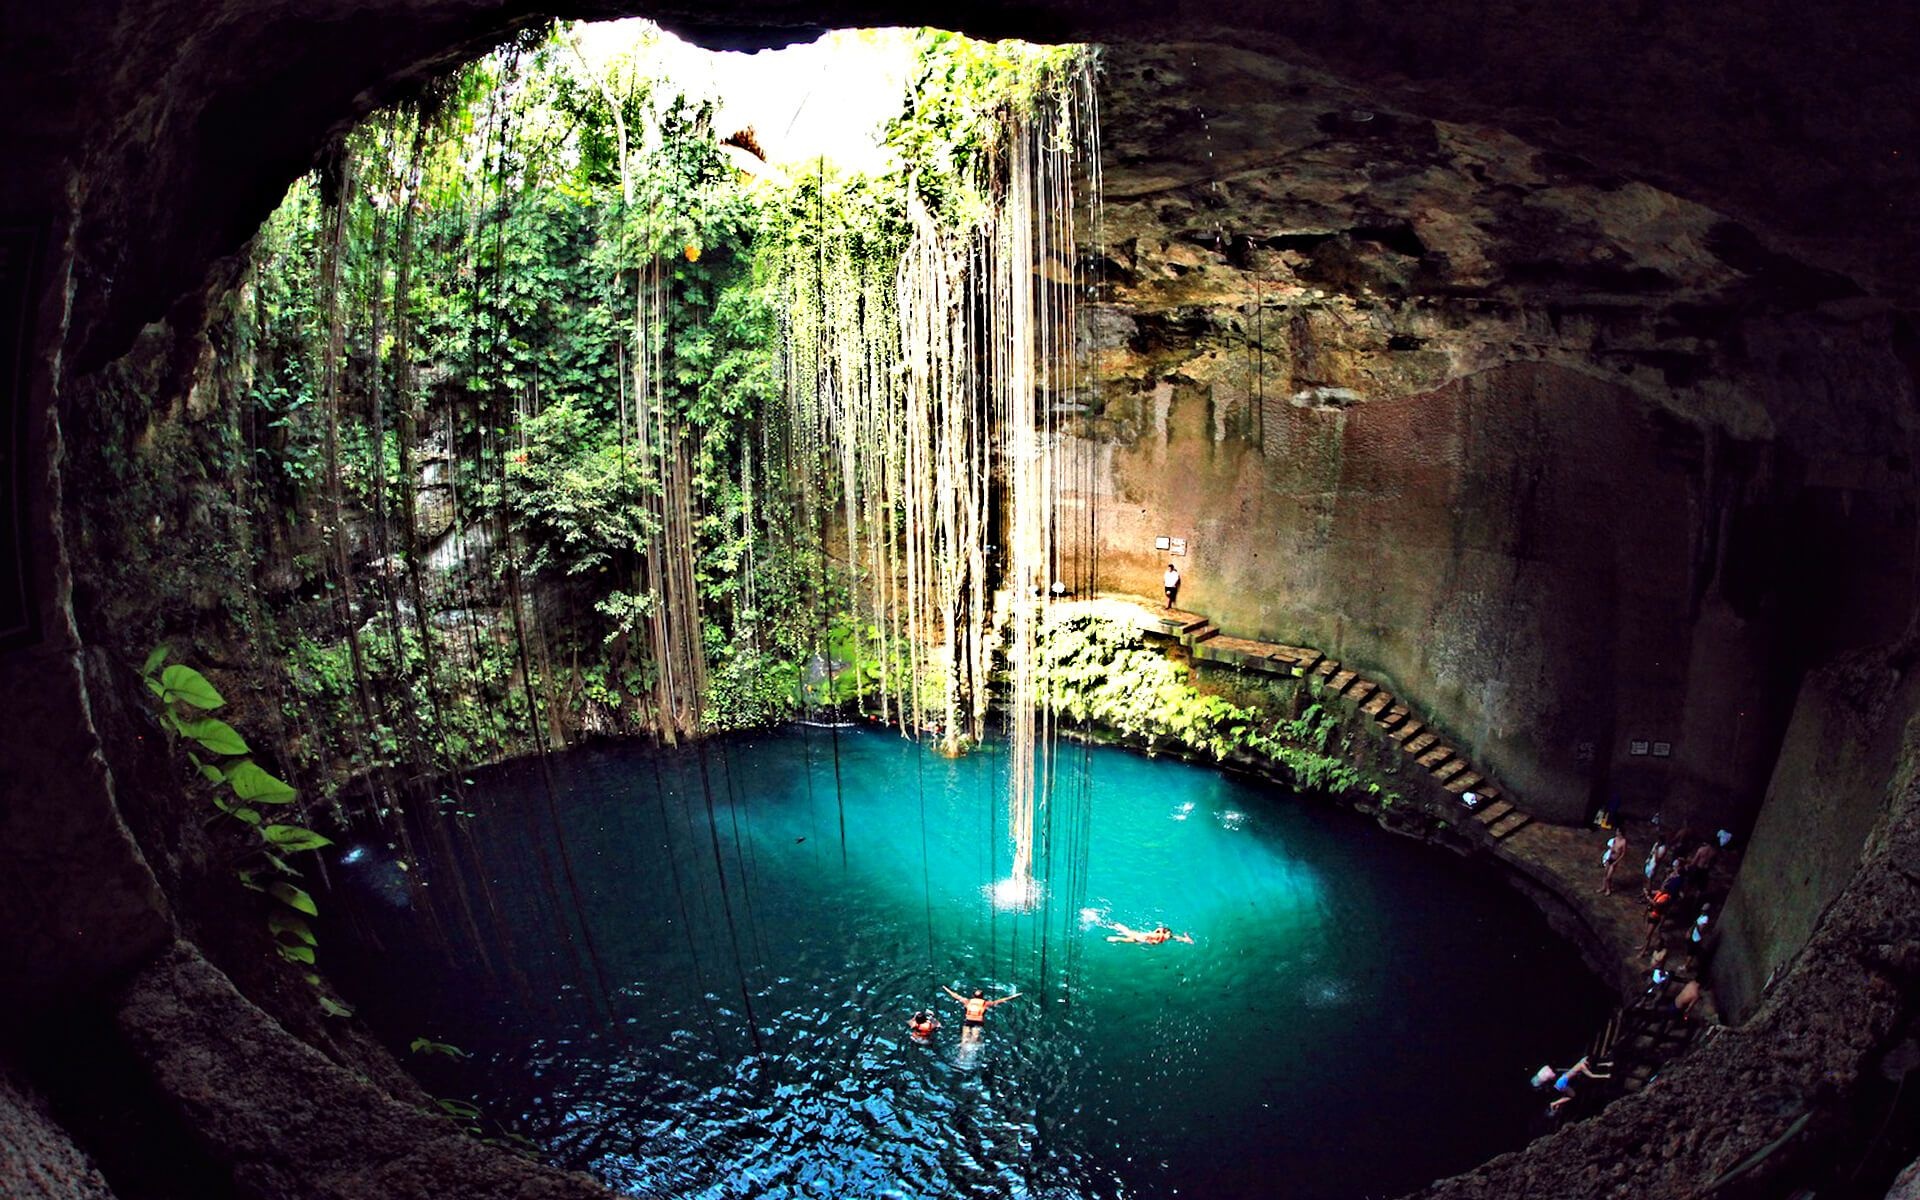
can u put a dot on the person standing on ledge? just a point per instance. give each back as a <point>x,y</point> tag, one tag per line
<point>1616,850</point>
<point>977,1006</point>
<point>1171,581</point>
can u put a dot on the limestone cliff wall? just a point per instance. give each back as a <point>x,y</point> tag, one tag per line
<point>1828,791</point>
<point>1573,463</point>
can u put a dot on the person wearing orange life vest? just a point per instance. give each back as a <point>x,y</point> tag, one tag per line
<point>976,1006</point>
<point>922,1024</point>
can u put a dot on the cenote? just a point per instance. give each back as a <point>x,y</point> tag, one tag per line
<point>1359,1013</point>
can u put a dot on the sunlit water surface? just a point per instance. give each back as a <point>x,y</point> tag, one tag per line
<point>1359,1013</point>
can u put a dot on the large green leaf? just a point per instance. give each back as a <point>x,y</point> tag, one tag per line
<point>422,1045</point>
<point>293,837</point>
<point>238,812</point>
<point>158,656</point>
<point>216,735</point>
<point>293,898</point>
<point>249,782</point>
<point>297,954</point>
<point>284,924</point>
<point>185,683</point>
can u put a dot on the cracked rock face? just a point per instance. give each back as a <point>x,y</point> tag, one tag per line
<point>1529,439</point>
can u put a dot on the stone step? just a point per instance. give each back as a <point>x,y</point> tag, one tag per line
<point>1373,707</point>
<point>1449,770</point>
<point>1406,731</point>
<point>1419,744</point>
<point>1489,793</point>
<point>1361,689</point>
<point>1239,652</point>
<point>1493,812</point>
<point>1326,667</point>
<point>1192,636</point>
<point>1393,716</point>
<point>1435,757</point>
<point>1464,782</point>
<point>1303,657</point>
<point>1340,681</point>
<point>1508,825</point>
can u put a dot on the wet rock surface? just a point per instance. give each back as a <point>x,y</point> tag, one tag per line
<point>286,1121</point>
<point>38,1160</point>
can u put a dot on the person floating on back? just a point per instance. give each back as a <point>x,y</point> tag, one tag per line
<point>976,1006</point>
<point>1148,937</point>
<point>922,1024</point>
<point>1171,581</point>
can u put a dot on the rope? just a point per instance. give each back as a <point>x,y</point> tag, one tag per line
<point>720,871</point>
<point>926,869</point>
<point>679,894</point>
<point>740,856</point>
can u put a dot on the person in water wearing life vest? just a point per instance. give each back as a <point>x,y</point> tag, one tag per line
<point>977,1006</point>
<point>1158,935</point>
<point>922,1024</point>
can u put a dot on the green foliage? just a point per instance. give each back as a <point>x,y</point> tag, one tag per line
<point>576,493</point>
<point>422,1045</point>
<point>236,787</point>
<point>1099,670</point>
<point>498,248</point>
<point>948,129</point>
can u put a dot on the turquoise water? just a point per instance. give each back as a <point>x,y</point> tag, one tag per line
<point>1358,1014</point>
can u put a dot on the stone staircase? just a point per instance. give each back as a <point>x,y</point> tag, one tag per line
<point>1392,716</point>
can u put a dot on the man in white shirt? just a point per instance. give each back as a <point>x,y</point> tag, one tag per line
<point>1171,581</point>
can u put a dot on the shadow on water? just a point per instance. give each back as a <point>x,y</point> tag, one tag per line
<point>1357,1015</point>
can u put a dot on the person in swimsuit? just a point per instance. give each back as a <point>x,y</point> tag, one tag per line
<point>976,1006</point>
<point>922,1024</point>
<point>1148,937</point>
<point>1564,1083</point>
<point>1616,850</point>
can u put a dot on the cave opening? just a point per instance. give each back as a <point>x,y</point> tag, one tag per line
<point>1523,467</point>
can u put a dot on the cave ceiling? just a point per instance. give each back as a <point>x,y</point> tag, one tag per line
<point>170,127</point>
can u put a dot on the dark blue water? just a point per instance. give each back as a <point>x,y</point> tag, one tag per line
<point>1359,1013</point>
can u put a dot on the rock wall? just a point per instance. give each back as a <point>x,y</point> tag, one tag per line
<point>1827,793</point>
<point>38,1161</point>
<point>1571,462</point>
<point>1797,1096</point>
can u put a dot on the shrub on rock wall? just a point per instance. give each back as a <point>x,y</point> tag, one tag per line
<point>1101,671</point>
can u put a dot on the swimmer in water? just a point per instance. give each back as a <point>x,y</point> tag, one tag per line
<point>977,1006</point>
<point>922,1024</point>
<point>1147,937</point>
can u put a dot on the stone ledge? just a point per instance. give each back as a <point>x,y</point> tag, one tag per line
<point>288,1122</point>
